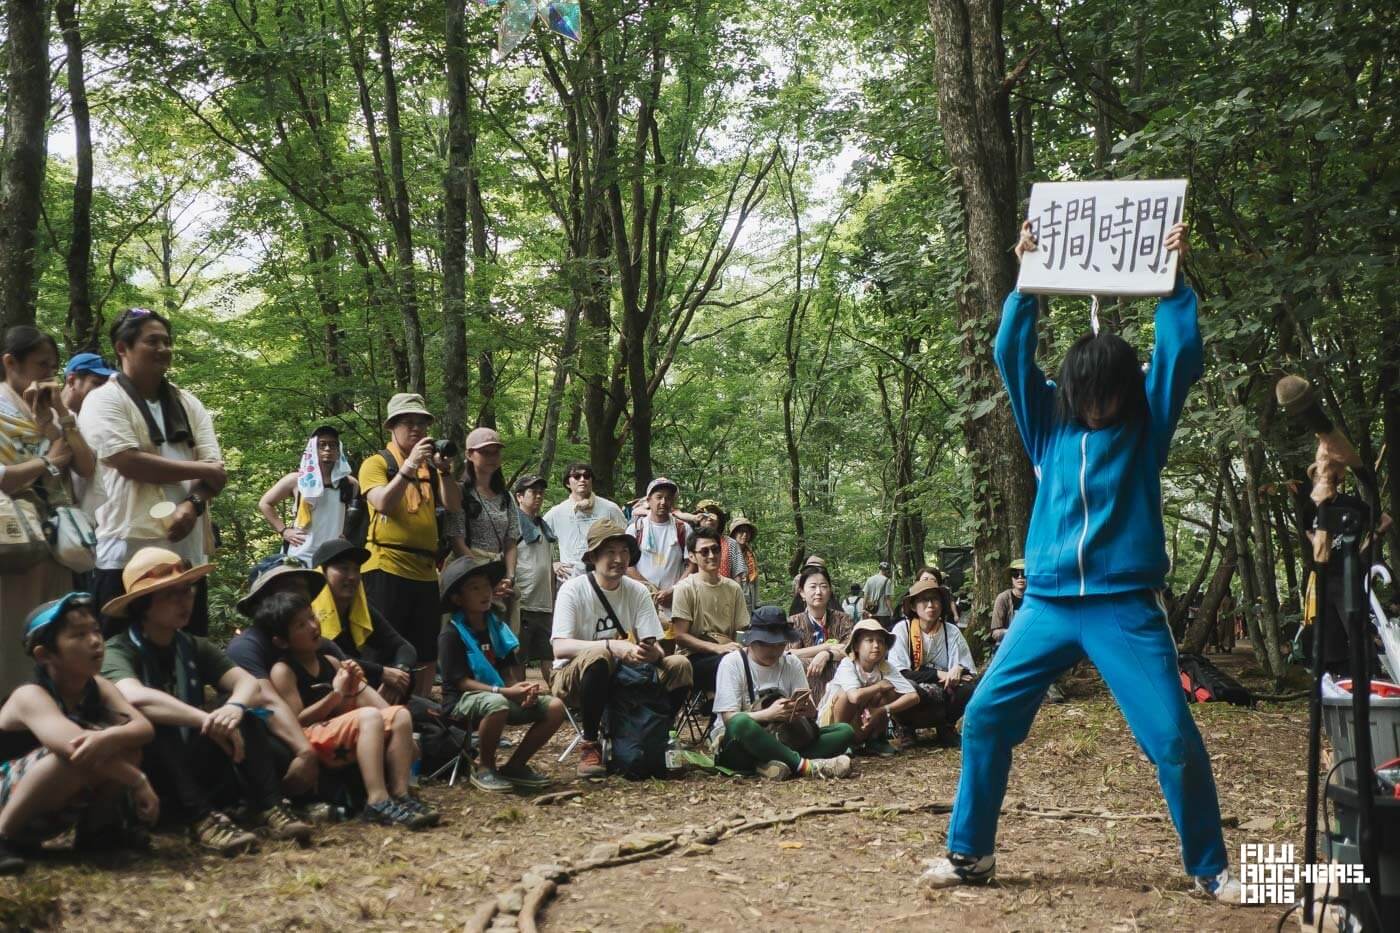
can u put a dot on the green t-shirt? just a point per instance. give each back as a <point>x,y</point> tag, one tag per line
<point>123,660</point>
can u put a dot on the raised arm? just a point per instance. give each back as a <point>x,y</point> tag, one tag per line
<point>1177,355</point>
<point>1031,396</point>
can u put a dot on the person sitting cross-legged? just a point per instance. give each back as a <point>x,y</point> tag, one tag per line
<point>764,713</point>
<point>198,761</point>
<point>70,744</point>
<point>867,690</point>
<point>483,677</point>
<point>933,655</point>
<point>601,619</point>
<point>344,719</point>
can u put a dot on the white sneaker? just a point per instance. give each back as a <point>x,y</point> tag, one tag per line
<point>774,771</point>
<point>837,767</point>
<point>954,869</point>
<point>1224,887</point>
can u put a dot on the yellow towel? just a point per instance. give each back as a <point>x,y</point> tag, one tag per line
<point>360,625</point>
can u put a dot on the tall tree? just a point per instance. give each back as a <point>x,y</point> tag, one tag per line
<point>976,119</point>
<point>22,156</point>
<point>82,328</point>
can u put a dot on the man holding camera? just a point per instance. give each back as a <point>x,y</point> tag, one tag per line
<point>406,488</point>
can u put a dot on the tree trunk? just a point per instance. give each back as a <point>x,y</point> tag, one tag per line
<point>454,224</point>
<point>555,402</point>
<point>974,113</point>
<point>1194,641</point>
<point>1266,578</point>
<point>338,400</point>
<point>22,156</point>
<point>1183,602</point>
<point>82,328</point>
<point>401,217</point>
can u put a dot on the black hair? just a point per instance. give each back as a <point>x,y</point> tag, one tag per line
<point>723,516</point>
<point>811,570</point>
<point>855,589</point>
<point>127,328</point>
<point>22,340</point>
<point>929,568</point>
<point>945,604</point>
<point>274,613</point>
<point>702,534</point>
<point>1098,370</point>
<point>574,466</point>
<point>47,637</point>
<point>136,609</point>
<point>327,429</point>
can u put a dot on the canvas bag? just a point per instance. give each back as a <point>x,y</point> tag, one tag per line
<point>22,541</point>
<point>72,538</point>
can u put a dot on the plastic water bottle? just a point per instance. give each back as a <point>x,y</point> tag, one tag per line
<point>675,763</point>
<point>417,766</point>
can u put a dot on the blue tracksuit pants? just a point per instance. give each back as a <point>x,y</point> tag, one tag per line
<point>1126,637</point>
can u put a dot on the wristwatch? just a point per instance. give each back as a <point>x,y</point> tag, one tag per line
<point>197,501</point>
<point>48,465</point>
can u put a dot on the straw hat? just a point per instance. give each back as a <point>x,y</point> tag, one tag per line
<point>151,570</point>
<point>868,625</point>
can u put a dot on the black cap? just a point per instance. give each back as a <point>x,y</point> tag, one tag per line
<point>768,624</point>
<point>325,429</point>
<point>527,481</point>
<point>457,571</point>
<point>335,548</point>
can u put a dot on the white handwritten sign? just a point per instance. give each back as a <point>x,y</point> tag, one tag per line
<point>1102,237</point>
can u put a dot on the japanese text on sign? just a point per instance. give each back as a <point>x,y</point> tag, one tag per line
<point>1102,237</point>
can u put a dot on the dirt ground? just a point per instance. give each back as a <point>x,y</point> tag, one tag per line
<point>827,872</point>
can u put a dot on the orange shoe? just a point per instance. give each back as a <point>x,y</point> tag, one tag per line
<point>590,760</point>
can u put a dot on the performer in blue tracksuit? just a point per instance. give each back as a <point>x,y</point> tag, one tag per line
<point>1095,562</point>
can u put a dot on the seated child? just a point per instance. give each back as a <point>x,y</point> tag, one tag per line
<point>938,662</point>
<point>483,677</point>
<point>199,762</point>
<point>763,689</point>
<point>69,742</point>
<point>343,718</point>
<point>866,690</point>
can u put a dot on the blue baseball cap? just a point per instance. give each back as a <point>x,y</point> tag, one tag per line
<point>44,615</point>
<point>88,363</point>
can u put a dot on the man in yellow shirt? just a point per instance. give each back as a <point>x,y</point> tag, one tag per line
<point>409,494</point>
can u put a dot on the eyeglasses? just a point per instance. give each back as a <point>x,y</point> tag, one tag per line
<point>707,552</point>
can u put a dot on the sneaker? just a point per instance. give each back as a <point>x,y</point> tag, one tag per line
<point>590,760</point>
<point>414,805</point>
<point>525,777</point>
<point>954,869</point>
<point>827,768</point>
<point>1055,694</point>
<point>390,812</point>
<point>218,833</point>
<point>488,780</point>
<point>905,738</point>
<point>282,823</point>
<point>878,747</point>
<point>774,771</point>
<point>1224,887</point>
<point>11,862</point>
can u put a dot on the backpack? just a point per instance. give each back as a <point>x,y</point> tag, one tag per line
<point>639,721</point>
<point>1203,682</point>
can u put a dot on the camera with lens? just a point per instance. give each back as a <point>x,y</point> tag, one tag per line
<point>444,447</point>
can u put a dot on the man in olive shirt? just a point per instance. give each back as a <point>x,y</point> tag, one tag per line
<point>707,610</point>
<point>404,487</point>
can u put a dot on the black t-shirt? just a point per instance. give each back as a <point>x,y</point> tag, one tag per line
<point>255,653</point>
<point>452,661</point>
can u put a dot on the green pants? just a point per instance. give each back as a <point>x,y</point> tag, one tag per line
<point>747,744</point>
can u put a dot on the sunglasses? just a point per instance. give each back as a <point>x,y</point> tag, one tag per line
<point>707,551</point>
<point>584,475</point>
<point>1018,574</point>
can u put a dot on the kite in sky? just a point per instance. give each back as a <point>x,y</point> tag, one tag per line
<point>562,17</point>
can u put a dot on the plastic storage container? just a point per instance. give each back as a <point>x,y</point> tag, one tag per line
<point>1385,733</point>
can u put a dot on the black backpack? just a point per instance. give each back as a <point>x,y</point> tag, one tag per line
<point>1203,682</point>
<point>639,719</point>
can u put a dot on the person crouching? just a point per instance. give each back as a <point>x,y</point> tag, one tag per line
<point>344,720</point>
<point>933,655</point>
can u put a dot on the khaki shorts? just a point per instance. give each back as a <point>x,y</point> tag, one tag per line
<point>674,670</point>
<point>477,705</point>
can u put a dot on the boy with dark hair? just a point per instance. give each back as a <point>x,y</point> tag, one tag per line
<point>198,760</point>
<point>69,742</point>
<point>483,677</point>
<point>344,719</point>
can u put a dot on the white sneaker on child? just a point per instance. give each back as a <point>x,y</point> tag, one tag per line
<point>954,869</point>
<point>837,767</point>
<point>1224,887</point>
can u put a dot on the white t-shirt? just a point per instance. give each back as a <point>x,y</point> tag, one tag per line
<point>111,423</point>
<point>787,676</point>
<point>941,650</point>
<point>571,526</point>
<point>663,551</point>
<point>327,523</point>
<point>579,614</point>
<point>850,677</point>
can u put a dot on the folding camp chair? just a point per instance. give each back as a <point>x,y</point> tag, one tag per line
<point>699,705</point>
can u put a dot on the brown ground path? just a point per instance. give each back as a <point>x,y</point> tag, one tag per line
<point>838,872</point>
